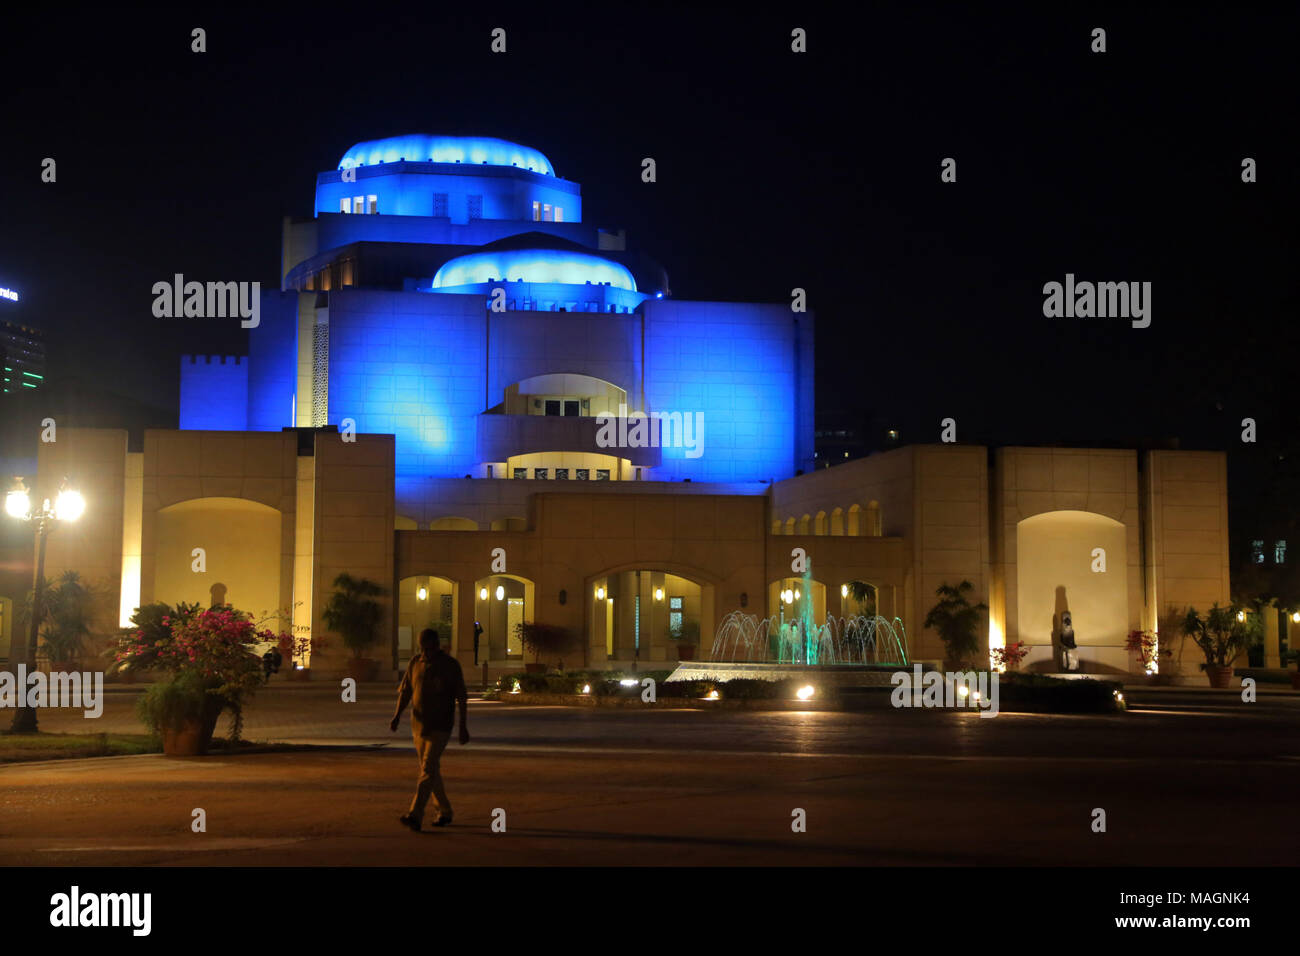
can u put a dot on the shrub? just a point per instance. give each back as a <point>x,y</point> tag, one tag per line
<point>1040,693</point>
<point>177,699</point>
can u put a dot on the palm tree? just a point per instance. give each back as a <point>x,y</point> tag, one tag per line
<point>69,612</point>
<point>353,613</point>
<point>957,621</point>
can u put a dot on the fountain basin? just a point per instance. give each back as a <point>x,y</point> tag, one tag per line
<point>833,675</point>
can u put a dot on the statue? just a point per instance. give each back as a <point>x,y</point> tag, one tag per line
<point>1069,650</point>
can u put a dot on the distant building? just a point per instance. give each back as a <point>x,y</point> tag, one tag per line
<point>22,351</point>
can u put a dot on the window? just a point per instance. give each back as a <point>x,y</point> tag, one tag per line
<point>358,204</point>
<point>475,207</point>
<point>602,474</point>
<point>345,204</point>
<point>540,473</point>
<point>546,212</point>
<point>584,474</point>
<point>440,205</point>
<point>1279,552</point>
<point>562,473</point>
<point>1257,552</point>
<point>559,214</point>
<point>521,472</point>
<point>552,406</point>
<point>372,204</point>
<point>675,616</point>
<point>537,211</point>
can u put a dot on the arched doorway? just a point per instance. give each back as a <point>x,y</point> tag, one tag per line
<point>425,600</point>
<point>501,603</point>
<point>649,614</point>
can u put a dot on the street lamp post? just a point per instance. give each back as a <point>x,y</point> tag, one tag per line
<point>68,506</point>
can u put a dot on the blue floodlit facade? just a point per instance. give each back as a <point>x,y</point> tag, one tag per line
<point>447,291</point>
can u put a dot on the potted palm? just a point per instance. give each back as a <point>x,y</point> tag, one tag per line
<point>353,613</point>
<point>958,623</point>
<point>1293,658</point>
<point>686,636</point>
<point>540,639</point>
<point>68,608</point>
<point>1221,634</point>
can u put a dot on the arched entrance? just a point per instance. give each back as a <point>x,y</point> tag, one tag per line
<point>639,615</point>
<point>501,602</point>
<point>425,600</point>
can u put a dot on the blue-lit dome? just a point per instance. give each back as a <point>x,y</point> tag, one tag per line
<point>423,148</point>
<point>533,265</point>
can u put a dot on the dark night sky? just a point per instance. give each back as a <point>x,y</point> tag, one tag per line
<point>775,171</point>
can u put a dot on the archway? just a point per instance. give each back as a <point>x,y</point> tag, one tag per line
<point>649,614</point>
<point>425,600</point>
<point>1059,557</point>
<point>225,550</point>
<point>501,602</point>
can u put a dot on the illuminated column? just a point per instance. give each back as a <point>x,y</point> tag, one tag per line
<point>132,531</point>
<point>304,551</point>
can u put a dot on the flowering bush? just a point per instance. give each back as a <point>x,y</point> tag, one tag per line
<point>211,650</point>
<point>1010,656</point>
<point>1143,644</point>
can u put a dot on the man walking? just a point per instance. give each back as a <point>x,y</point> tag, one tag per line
<point>433,684</point>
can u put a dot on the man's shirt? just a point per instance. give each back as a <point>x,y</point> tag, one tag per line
<point>432,685</point>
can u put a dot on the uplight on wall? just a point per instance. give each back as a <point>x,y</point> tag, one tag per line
<point>659,594</point>
<point>422,593</point>
<point>844,590</point>
<point>501,592</point>
<point>1296,617</point>
<point>600,594</point>
<point>482,594</point>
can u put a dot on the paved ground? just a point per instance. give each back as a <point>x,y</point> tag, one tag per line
<point>1187,778</point>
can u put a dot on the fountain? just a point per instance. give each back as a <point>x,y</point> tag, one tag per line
<point>855,650</point>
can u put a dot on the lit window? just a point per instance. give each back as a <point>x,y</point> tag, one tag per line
<point>562,473</point>
<point>372,204</point>
<point>584,474</point>
<point>537,211</point>
<point>359,204</point>
<point>521,472</point>
<point>539,473</point>
<point>345,204</point>
<point>559,214</point>
<point>546,212</point>
<point>602,474</point>
<point>1279,552</point>
<point>1257,551</point>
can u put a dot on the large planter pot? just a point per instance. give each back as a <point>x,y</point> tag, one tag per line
<point>1220,677</point>
<point>685,652</point>
<point>1295,680</point>
<point>193,737</point>
<point>362,669</point>
<point>534,667</point>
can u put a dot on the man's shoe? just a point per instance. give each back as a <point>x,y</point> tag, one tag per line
<point>443,821</point>
<point>407,820</point>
